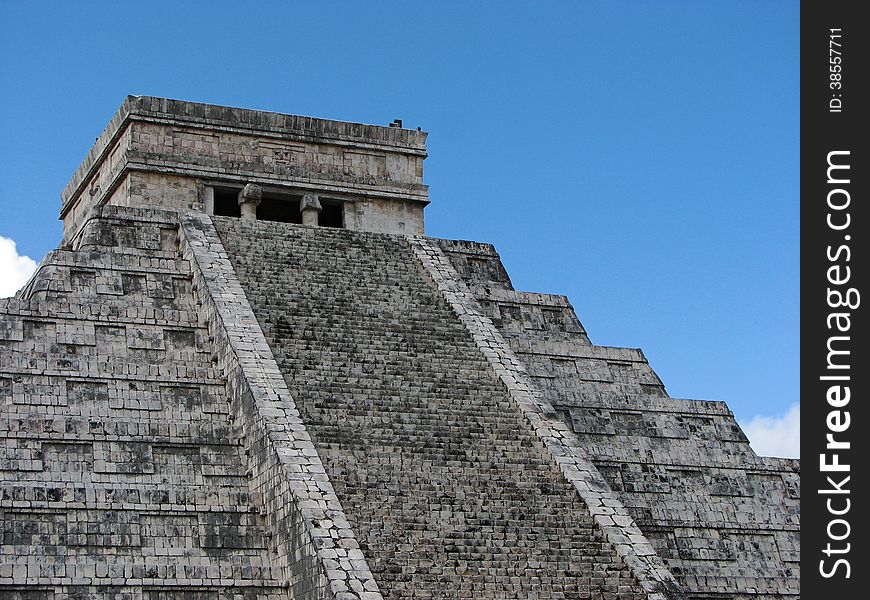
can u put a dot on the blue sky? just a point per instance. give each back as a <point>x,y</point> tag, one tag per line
<point>639,157</point>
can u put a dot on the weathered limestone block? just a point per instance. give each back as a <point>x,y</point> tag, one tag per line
<point>415,428</point>
<point>249,199</point>
<point>173,155</point>
<point>118,467</point>
<point>683,465</point>
<point>310,207</point>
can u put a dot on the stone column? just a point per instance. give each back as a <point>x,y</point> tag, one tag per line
<point>310,207</point>
<point>208,200</point>
<point>249,199</point>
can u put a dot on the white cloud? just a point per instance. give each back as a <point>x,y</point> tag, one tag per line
<point>15,270</point>
<point>778,435</point>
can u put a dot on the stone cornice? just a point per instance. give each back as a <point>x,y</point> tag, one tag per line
<point>237,120</point>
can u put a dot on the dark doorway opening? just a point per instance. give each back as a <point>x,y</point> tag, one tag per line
<point>226,202</point>
<point>274,207</point>
<point>282,209</point>
<point>331,214</point>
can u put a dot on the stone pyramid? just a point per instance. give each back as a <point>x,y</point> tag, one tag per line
<point>247,373</point>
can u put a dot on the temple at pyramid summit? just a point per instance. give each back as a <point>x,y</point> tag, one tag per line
<point>247,373</point>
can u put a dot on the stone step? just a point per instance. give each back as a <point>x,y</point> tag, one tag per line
<point>182,433</point>
<point>122,530</point>
<point>449,493</point>
<point>227,589</point>
<point>63,397</point>
<point>146,368</point>
<point>130,237</point>
<point>161,571</point>
<point>109,310</point>
<point>177,496</point>
<point>77,455</point>
<point>712,515</point>
<point>121,468</point>
<point>105,260</point>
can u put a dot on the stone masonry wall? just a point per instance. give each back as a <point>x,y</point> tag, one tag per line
<point>152,449</point>
<point>449,491</point>
<point>121,472</point>
<point>724,520</point>
<point>154,148</point>
<point>313,539</point>
<point>559,441</point>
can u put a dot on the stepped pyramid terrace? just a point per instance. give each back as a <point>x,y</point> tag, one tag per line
<point>247,373</point>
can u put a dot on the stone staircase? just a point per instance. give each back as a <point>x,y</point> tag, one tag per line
<point>449,491</point>
<point>148,439</point>
<point>725,521</point>
<point>121,473</point>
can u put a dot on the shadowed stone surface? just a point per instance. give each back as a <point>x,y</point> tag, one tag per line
<point>449,492</point>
